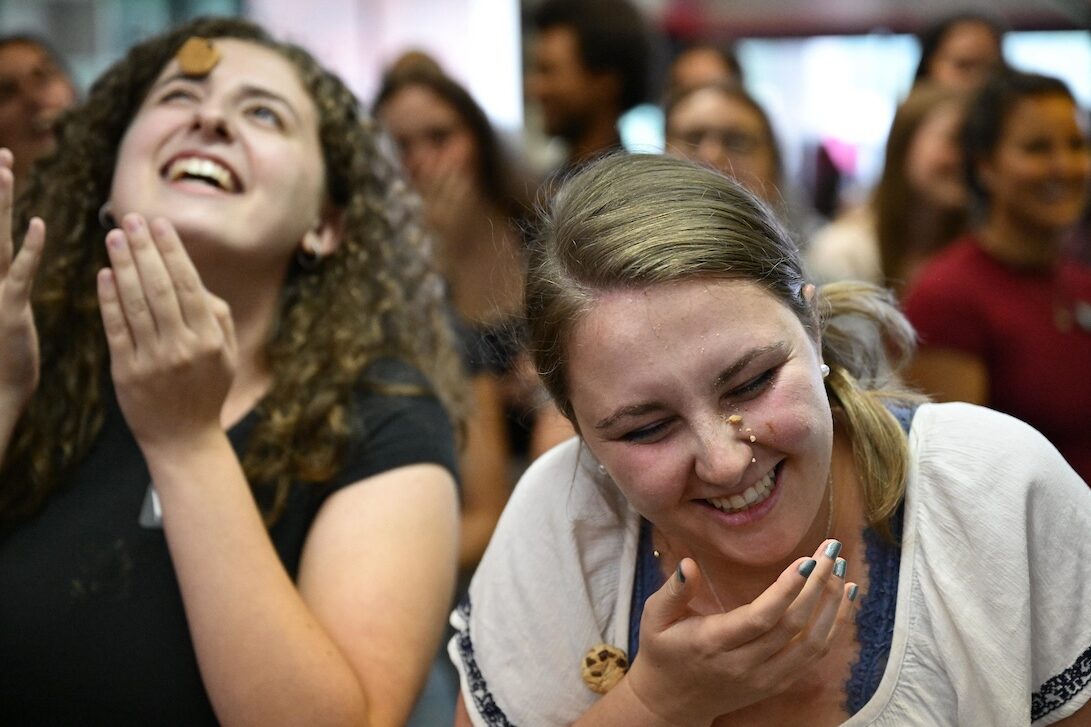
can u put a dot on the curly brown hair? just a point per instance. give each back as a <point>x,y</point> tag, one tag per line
<point>376,296</point>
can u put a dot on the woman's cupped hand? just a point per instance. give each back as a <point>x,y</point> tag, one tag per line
<point>693,668</point>
<point>172,343</point>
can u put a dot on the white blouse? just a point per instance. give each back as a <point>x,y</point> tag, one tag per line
<point>993,617</point>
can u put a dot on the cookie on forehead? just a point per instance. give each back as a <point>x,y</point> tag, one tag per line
<point>197,57</point>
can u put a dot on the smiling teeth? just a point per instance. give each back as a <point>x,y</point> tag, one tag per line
<point>748,498</point>
<point>202,168</point>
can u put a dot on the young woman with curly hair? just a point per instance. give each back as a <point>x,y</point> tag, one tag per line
<point>226,488</point>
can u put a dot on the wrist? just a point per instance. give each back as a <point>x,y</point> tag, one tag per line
<point>183,449</point>
<point>658,706</point>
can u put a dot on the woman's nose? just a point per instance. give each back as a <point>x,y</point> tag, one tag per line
<point>722,454</point>
<point>211,121</point>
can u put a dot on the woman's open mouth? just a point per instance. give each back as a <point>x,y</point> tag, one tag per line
<point>751,500</point>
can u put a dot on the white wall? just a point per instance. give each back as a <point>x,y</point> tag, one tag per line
<point>476,41</point>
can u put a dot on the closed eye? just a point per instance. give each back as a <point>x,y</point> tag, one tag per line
<point>754,386</point>
<point>647,434</point>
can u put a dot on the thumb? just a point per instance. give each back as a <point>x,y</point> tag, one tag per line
<point>671,602</point>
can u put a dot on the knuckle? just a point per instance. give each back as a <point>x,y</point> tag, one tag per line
<point>160,287</point>
<point>793,622</point>
<point>814,646</point>
<point>762,621</point>
<point>767,683</point>
<point>137,306</point>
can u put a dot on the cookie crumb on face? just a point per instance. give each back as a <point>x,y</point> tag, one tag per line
<point>735,419</point>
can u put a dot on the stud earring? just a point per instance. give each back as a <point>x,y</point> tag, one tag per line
<point>602,469</point>
<point>825,370</point>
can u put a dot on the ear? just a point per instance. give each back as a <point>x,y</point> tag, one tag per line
<point>809,293</point>
<point>324,237</point>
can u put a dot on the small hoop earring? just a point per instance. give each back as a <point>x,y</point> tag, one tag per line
<point>825,370</point>
<point>106,216</point>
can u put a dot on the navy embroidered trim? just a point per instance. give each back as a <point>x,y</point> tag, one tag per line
<point>1060,689</point>
<point>479,690</point>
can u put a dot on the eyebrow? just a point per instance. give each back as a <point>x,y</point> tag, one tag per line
<point>634,410</point>
<point>743,361</point>
<point>247,90</point>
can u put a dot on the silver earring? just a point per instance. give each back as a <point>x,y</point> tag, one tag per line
<point>602,469</point>
<point>825,370</point>
<point>106,216</point>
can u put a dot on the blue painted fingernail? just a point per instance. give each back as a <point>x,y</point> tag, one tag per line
<point>833,549</point>
<point>681,575</point>
<point>853,589</point>
<point>839,567</point>
<point>807,566</point>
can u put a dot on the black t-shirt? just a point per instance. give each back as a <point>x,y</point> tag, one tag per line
<point>92,628</point>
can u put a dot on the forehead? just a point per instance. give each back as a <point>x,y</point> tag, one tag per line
<point>416,105</point>
<point>665,319</point>
<point>970,36</point>
<point>711,106</point>
<point>1044,111</point>
<point>245,63</point>
<point>22,53</point>
<point>558,44</point>
<point>941,117</point>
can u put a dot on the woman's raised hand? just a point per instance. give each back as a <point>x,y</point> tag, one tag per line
<point>172,343</point>
<point>19,356</point>
<point>692,668</point>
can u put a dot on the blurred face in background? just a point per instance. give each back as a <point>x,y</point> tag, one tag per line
<point>565,90</point>
<point>432,138</point>
<point>933,165</point>
<point>716,129</point>
<point>1037,176</point>
<point>33,92</point>
<point>968,53</point>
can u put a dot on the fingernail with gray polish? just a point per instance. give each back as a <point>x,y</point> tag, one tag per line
<point>681,575</point>
<point>833,549</point>
<point>853,589</point>
<point>839,567</point>
<point>807,566</point>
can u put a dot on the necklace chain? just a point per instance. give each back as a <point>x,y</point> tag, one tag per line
<point>829,515</point>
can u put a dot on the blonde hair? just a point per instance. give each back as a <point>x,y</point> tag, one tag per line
<point>637,220</point>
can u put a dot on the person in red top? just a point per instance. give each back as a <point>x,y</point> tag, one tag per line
<point>1004,316</point>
